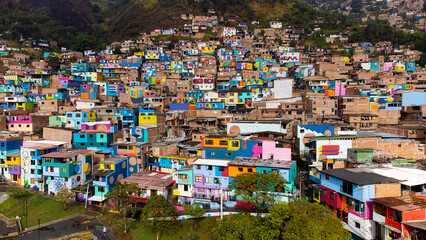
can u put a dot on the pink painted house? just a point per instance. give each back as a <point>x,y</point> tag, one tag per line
<point>268,149</point>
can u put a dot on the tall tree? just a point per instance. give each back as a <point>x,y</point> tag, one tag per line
<point>196,211</point>
<point>121,194</point>
<point>257,188</point>
<point>159,214</point>
<point>64,195</point>
<point>301,220</point>
<point>235,227</point>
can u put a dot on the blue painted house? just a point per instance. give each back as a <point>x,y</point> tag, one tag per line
<point>128,117</point>
<point>349,193</point>
<point>111,170</point>
<point>93,140</point>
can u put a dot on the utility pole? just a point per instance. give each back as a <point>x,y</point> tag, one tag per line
<point>221,200</point>
<point>26,213</point>
<point>87,194</point>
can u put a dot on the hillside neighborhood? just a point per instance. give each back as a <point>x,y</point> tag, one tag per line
<point>183,112</point>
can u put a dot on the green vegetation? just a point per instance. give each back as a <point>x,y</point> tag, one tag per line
<point>158,215</point>
<point>65,196</point>
<point>256,188</point>
<point>195,211</point>
<point>297,221</point>
<point>39,207</point>
<point>121,194</point>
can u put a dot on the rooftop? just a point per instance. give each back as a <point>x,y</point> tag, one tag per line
<point>148,180</point>
<point>359,176</point>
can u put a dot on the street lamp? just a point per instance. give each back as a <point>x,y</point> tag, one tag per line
<point>39,229</point>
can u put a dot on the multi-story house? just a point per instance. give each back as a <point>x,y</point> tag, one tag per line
<point>184,179</point>
<point>128,117</point>
<point>287,169</point>
<point>8,144</point>
<point>75,119</point>
<point>110,171</point>
<point>27,123</point>
<point>211,180</point>
<point>349,193</point>
<point>400,217</point>
<point>93,140</point>
<point>168,163</point>
<point>13,167</point>
<point>31,162</point>
<point>66,169</point>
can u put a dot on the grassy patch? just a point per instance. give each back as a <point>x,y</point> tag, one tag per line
<point>39,207</point>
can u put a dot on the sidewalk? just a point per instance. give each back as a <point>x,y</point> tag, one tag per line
<point>51,222</point>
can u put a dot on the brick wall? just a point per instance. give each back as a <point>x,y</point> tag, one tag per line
<point>388,190</point>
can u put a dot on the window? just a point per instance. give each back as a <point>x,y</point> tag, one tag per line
<point>221,169</point>
<point>101,189</point>
<point>64,170</point>
<point>324,192</point>
<point>271,156</point>
<point>259,144</point>
<point>47,160</point>
<point>32,171</point>
<point>209,167</point>
<point>102,135</point>
<point>250,170</point>
<point>182,176</point>
<point>228,154</point>
<point>208,142</point>
<point>198,179</point>
<point>81,144</point>
<point>198,167</point>
<point>52,169</point>
<point>347,187</point>
<point>357,225</point>
<point>185,188</point>
<point>235,144</point>
<point>32,162</point>
<point>332,196</point>
<point>223,143</point>
<point>240,169</point>
<point>208,180</point>
<point>327,177</point>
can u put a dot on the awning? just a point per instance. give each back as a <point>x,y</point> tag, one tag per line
<point>97,198</point>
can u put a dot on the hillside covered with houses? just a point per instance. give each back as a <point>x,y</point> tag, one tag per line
<point>184,112</point>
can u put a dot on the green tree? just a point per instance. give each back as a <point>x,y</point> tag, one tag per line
<point>121,194</point>
<point>159,214</point>
<point>301,220</point>
<point>235,227</point>
<point>54,62</point>
<point>18,194</point>
<point>64,195</point>
<point>196,211</point>
<point>83,42</point>
<point>257,188</point>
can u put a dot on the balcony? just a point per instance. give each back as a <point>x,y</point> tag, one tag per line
<point>99,183</point>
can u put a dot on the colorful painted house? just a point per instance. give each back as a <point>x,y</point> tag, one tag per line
<point>279,149</point>
<point>32,165</point>
<point>147,116</point>
<point>401,217</point>
<point>13,167</point>
<point>8,145</point>
<point>128,117</point>
<point>224,147</point>
<point>110,171</point>
<point>75,119</point>
<point>211,177</point>
<point>287,169</point>
<point>183,178</point>
<point>167,164</point>
<point>66,169</point>
<point>93,140</point>
<point>349,193</point>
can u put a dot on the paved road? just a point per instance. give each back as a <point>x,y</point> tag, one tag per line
<point>63,228</point>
